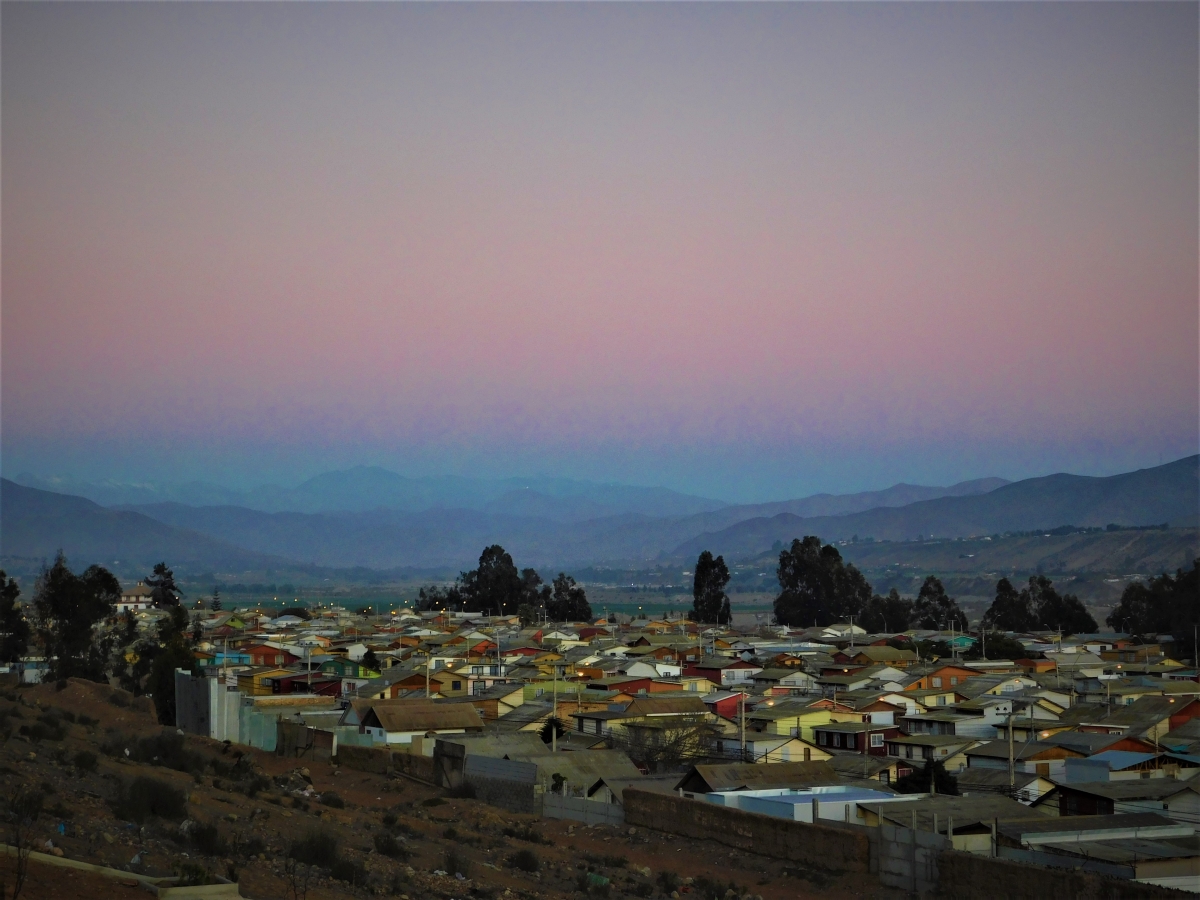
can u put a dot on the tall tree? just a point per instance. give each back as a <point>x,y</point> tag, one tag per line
<point>888,614</point>
<point>934,609</point>
<point>710,603</point>
<point>1166,603</point>
<point>69,609</point>
<point>494,587</point>
<point>816,587</point>
<point>163,590</point>
<point>14,629</point>
<point>569,602</point>
<point>215,603</point>
<point>1056,611</point>
<point>1011,610</point>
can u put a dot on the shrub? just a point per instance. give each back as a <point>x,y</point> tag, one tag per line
<point>207,839</point>
<point>329,798</point>
<point>433,801</point>
<point>86,720</point>
<point>387,845</point>
<point>612,862</point>
<point>456,864</point>
<point>667,881</point>
<point>525,860</point>
<point>525,833</point>
<point>317,848</point>
<point>119,698</point>
<point>349,870</point>
<point>450,833</point>
<point>463,791</point>
<point>145,797</point>
<point>191,874</point>
<point>389,819</point>
<point>85,761</point>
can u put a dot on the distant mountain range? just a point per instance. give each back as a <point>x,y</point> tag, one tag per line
<point>366,519</point>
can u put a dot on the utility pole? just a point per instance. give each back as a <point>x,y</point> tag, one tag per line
<point>428,656</point>
<point>554,715</point>
<point>1012,776</point>
<point>743,702</point>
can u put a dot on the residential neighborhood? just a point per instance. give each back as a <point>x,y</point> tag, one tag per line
<point>1054,759</point>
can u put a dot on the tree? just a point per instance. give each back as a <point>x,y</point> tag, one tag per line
<point>436,597</point>
<point>164,592</point>
<point>370,660</point>
<point>215,604</point>
<point>1163,604</point>
<point>24,808</point>
<point>69,608</point>
<point>1010,611</point>
<point>935,610</point>
<point>495,587</point>
<point>816,587</point>
<point>996,646</point>
<point>568,602</point>
<point>14,629</point>
<point>1054,611</point>
<point>933,775</point>
<point>710,603</point>
<point>888,614</point>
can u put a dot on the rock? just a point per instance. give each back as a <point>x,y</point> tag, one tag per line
<point>108,838</point>
<point>304,773</point>
<point>285,813</point>
<point>49,845</point>
<point>56,851</point>
<point>137,860</point>
<point>645,871</point>
<point>31,756</point>
<point>632,831</point>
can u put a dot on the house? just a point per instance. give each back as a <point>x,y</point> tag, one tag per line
<point>136,598</point>
<point>1026,787</point>
<point>947,749</point>
<point>399,721</point>
<point>874,656</point>
<point>763,749</point>
<point>1166,796</point>
<point>1149,846</point>
<point>994,754</point>
<point>858,767</point>
<point>705,779</point>
<point>862,737</point>
<point>270,654</point>
<point>941,677</point>
<point>722,671</point>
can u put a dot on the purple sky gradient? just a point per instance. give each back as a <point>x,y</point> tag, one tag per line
<point>747,251</point>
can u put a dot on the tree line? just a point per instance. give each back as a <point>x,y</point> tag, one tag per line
<point>496,587</point>
<point>76,626</point>
<point>817,587</point>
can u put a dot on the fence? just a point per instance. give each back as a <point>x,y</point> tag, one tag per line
<point>580,809</point>
<point>908,859</point>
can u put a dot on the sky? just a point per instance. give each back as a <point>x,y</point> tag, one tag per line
<point>748,251</point>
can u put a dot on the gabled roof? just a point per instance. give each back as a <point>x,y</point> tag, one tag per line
<point>421,716</point>
<point>704,779</point>
<point>1133,789</point>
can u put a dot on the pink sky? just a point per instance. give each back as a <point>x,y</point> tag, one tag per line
<point>740,250</point>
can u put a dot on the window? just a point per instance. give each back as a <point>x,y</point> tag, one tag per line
<point>808,754</point>
<point>908,752</point>
<point>941,700</point>
<point>851,742</point>
<point>456,685</point>
<point>837,740</point>
<point>953,680</point>
<point>877,740</point>
<point>821,738</point>
<point>937,681</point>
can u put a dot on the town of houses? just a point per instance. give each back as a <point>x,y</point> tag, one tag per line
<point>1081,755</point>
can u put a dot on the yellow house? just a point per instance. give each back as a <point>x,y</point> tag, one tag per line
<point>254,682</point>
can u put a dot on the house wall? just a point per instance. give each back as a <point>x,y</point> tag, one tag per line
<point>819,846</point>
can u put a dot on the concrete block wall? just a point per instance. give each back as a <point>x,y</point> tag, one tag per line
<point>965,876</point>
<point>819,846</point>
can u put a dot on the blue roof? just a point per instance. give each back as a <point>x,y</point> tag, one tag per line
<point>1121,759</point>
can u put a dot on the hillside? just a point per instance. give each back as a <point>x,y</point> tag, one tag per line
<point>1168,493</point>
<point>35,524</point>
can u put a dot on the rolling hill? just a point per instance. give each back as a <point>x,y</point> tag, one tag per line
<point>1168,493</point>
<point>34,525</point>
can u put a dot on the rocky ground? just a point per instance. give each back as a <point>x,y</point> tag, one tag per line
<point>119,790</point>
